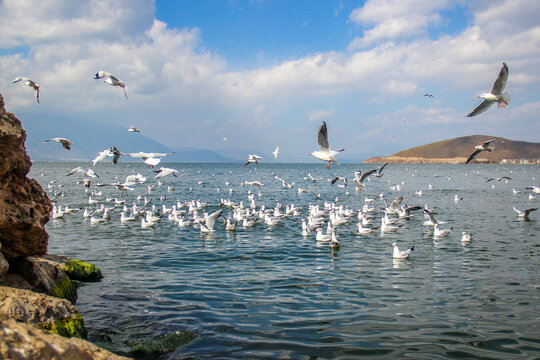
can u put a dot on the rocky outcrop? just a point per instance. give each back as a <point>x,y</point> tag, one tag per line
<point>24,206</point>
<point>56,315</point>
<point>75,269</point>
<point>23,341</point>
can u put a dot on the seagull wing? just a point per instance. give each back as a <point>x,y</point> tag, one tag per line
<point>322,138</point>
<point>472,156</point>
<point>211,219</point>
<point>381,168</point>
<point>484,105</point>
<point>366,174</point>
<point>487,143</point>
<point>102,155</point>
<point>500,83</point>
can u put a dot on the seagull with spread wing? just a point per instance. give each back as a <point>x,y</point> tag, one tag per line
<point>479,148</point>
<point>66,143</point>
<point>325,153</point>
<point>111,80</point>
<point>496,94</point>
<point>29,83</point>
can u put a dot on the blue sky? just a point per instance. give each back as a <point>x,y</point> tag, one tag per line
<point>267,72</point>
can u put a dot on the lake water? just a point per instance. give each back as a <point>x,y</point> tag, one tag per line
<point>268,292</point>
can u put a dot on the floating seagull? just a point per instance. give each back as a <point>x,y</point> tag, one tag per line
<point>438,232</point>
<point>276,152</point>
<point>252,158</point>
<point>325,153</point>
<point>66,143</point>
<point>479,148</point>
<point>80,170</point>
<point>111,80</point>
<point>133,129</point>
<point>401,254</point>
<point>525,213</point>
<point>161,172</point>
<point>29,83</point>
<point>495,95</point>
<point>499,179</point>
<point>466,237</point>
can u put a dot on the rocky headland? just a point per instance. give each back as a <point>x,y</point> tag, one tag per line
<point>457,150</point>
<point>38,317</point>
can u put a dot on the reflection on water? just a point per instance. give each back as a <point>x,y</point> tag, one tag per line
<point>268,292</point>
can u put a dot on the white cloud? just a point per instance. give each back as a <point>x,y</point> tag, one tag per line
<point>319,115</point>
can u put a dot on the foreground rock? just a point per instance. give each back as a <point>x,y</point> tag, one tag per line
<point>23,341</point>
<point>56,315</point>
<point>24,206</point>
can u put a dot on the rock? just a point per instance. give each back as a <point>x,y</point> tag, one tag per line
<point>24,206</point>
<point>4,266</point>
<point>23,341</point>
<point>75,269</point>
<point>56,315</point>
<point>44,277</point>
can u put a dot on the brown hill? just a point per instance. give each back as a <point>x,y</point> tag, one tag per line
<point>457,150</point>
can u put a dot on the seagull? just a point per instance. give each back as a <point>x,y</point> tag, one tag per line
<point>496,94</point>
<point>150,159</point>
<point>379,171</point>
<point>499,179</point>
<point>122,187</point>
<point>325,153</point>
<point>466,237</point>
<point>432,221</point>
<point>438,232</point>
<point>310,177</point>
<point>161,172</point>
<point>66,143</point>
<point>111,80</point>
<point>401,254</point>
<point>208,225</point>
<point>525,213</point>
<point>479,148</point>
<point>30,83</point>
<point>339,178</point>
<point>276,152</point>
<point>535,189</point>
<point>133,129</point>
<point>252,158</point>
<point>359,178</point>
<point>429,95</point>
<point>88,173</point>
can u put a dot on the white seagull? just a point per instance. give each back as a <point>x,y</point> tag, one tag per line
<point>150,159</point>
<point>161,172</point>
<point>276,152</point>
<point>208,225</point>
<point>111,80</point>
<point>525,213</point>
<point>325,153</point>
<point>133,129</point>
<point>496,94</point>
<point>479,148</point>
<point>401,254</point>
<point>252,158</point>
<point>466,237</point>
<point>29,83</point>
<point>88,173</point>
<point>66,143</point>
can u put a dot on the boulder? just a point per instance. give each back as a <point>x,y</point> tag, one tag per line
<point>4,266</point>
<point>24,206</point>
<point>24,341</point>
<point>56,315</point>
<point>75,269</point>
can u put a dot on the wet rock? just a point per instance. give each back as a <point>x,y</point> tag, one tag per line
<point>4,266</point>
<point>75,269</point>
<point>44,277</point>
<point>24,206</point>
<point>23,341</point>
<point>56,315</point>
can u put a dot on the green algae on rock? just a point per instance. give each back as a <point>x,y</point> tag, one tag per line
<point>70,327</point>
<point>82,271</point>
<point>64,289</point>
<point>159,345</point>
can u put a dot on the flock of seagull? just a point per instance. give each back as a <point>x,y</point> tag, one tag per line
<point>331,215</point>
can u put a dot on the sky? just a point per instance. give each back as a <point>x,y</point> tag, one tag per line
<point>266,73</point>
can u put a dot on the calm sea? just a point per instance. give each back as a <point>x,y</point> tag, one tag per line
<point>268,292</point>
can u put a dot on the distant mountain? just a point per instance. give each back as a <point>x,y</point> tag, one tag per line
<point>457,150</point>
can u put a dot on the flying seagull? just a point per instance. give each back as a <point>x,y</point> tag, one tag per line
<point>496,94</point>
<point>161,172</point>
<point>150,159</point>
<point>325,153</point>
<point>29,83</point>
<point>499,179</point>
<point>65,142</point>
<point>252,158</point>
<point>111,80</point>
<point>133,129</point>
<point>276,152</point>
<point>479,148</point>
<point>359,178</point>
<point>429,95</point>
<point>525,213</point>
<point>88,173</point>
<point>379,171</point>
